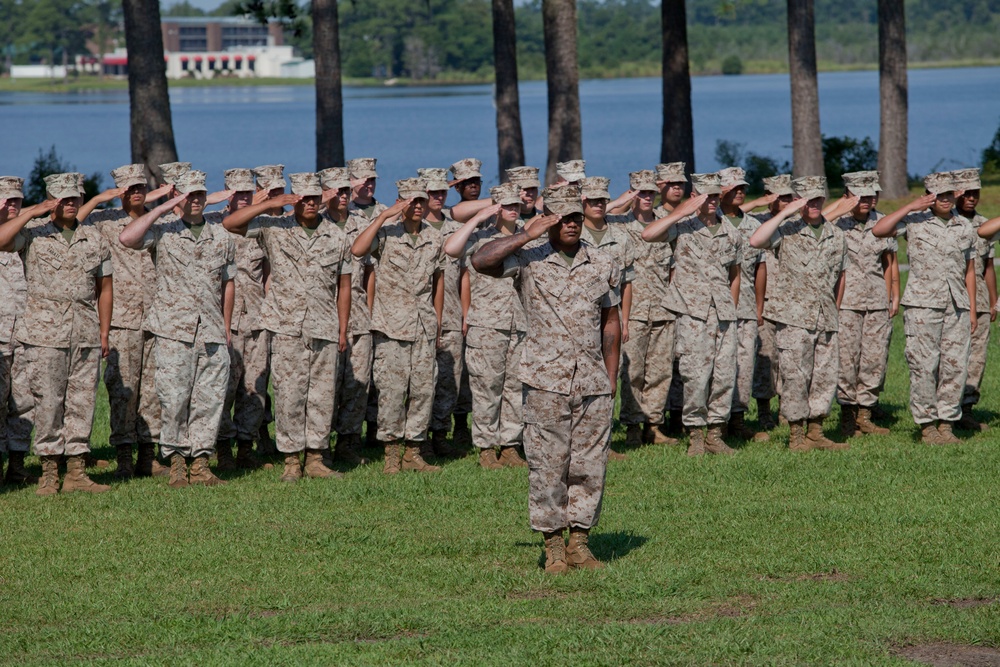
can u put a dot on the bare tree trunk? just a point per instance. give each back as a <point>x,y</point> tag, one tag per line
<point>510,141</point>
<point>329,97</point>
<point>562,74</point>
<point>152,130</point>
<point>677,143</point>
<point>893,103</point>
<point>807,141</point>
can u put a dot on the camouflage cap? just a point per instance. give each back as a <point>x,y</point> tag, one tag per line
<point>563,201</point>
<point>11,187</point>
<point>524,177</point>
<point>239,180</point>
<point>172,170</point>
<point>809,187</point>
<point>861,183</point>
<point>270,176</point>
<point>306,184</point>
<point>466,168</point>
<point>335,178</point>
<point>730,177</point>
<point>572,170</point>
<point>671,172</point>
<point>940,182</point>
<point>362,167</point>
<point>779,185</point>
<point>191,181</point>
<point>644,180</point>
<point>80,181</point>
<point>435,178</point>
<point>706,184</point>
<point>506,194</point>
<point>967,179</point>
<point>129,175</point>
<point>595,187</point>
<point>61,186</point>
<point>412,188</point>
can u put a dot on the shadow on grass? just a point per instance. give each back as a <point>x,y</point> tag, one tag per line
<point>612,546</point>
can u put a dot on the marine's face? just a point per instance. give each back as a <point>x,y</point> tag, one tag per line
<point>435,200</point>
<point>814,208</point>
<point>135,195</point>
<point>240,200</point>
<point>307,208</point>
<point>672,193</point>
<point>943,204</point>
<point>528,198</point>
<point>780,203</point>
<point>68,207</point>
<point>469,189</point>
<point>644,200</point>
<point>416,210</point>
<point>967,203</point>
<point>10,208</point>
<point>194,205</point>
<point>736,197</point>
<point>567,232</point>
<point>595,209</point>
<point>864,206</point>
<point>366,189</point>
<point>510,212</point>
<point>711,205</point>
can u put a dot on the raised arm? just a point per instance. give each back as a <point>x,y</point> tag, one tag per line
<point>886,227</point>
<point>9,230</point>
<point>622,203</point>
<point>760,202</point>
<point>489,259</point>
<point>761,238</point>
<point>840,207</point>
<point>464,210</point>
<point>988,229</point>
<point>101,198</point>
<point>366,239</point>
<point>132,235</point>
<point>238,222</point>
<point>218,197</point>
<point>657,230</point>
<point>455,246</point>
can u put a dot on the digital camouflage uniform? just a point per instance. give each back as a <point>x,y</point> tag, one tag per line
<point>405,328</point>
<point>493,351</point>
<point>619,244</point>
<point>15,420</point>
<point>354,366</point>
<point>766,375</point>
<point>803,306</point>
<point>747,331</point>
<point>129,371</point>
<point>936,319</point>
<point>191,355</point>
<point>864,323</point>
<point>366,215</point>
<point>300,311</point>
<point>567,394</point>
<point>60,332</point>
<point>701,297</point>
<point>648,354</point>
<point>451,347</point>
<point>985,251</point>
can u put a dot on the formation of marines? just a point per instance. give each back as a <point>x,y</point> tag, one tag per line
<point>524,310</point>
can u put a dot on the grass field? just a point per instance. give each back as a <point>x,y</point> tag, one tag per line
<point>761,558</point>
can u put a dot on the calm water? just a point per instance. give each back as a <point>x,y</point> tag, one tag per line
<point>953,116</point>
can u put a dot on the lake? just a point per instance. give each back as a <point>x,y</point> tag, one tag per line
<point>953,116</point>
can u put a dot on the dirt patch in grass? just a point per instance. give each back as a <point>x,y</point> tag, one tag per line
<point>737,607</point>
<point>964,603</point>
<point>943,654</point>
<point>834,575</point>
<point>538,594</point>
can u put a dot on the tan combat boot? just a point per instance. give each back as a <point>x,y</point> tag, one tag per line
<point>293,468</point>
<point>392,458</point>
<point>201,474</point>
<point>696,441</point>
<point>848,420</point>
<point>867,426</point>
<point>509,458</point>
<point>945,434</point>
<point>578,555</point>
<point>815,437</point>
<point>652,435</point>
<point>714,444</point>
<point>76,477</point>
<point>48,484</point>
<point>412,460</point>
<point>616,456</point>
<point>488,459</point>
<point>797,438</point>
<point>633,435</point>
<point>224,454</point>
<point>245,460</point>
<point>16,473</point>
<point>314,466</point>
<point>461,435</point>
<point>555,553</point>
<point>178,472</point>
<point>764,415</point>
<point>929,434</point>
<point>348,450</point>
<point>125,468</point>
<point>968,422</point>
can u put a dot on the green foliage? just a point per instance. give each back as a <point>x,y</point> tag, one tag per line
<point>846,154</point>
<point>51,163</point>
<point>732,65</point>
<point>757,167</point>
<point>991,155</point>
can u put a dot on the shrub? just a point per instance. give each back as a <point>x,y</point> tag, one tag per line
<point>52,163</point>
<point>846,154</point>
<point>757,167</point>
<point>991,155</point>
<point>732,65</point>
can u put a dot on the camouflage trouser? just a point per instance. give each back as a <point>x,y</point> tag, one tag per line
<point>977,359</point>
<point>404,373</point>
<point>863,356</point>
<point>937,351</point>
<point>766,374</point>
<point>808,362</point>
<point>303,372</point>
<point>566,442</point>
<point>354,377</point>
<point>450,364</point>
<point>128,377</point>
<point>191,380</point>
<point>747,342</point>
<point>706,353</point>
<point>493,358</point>
<point>249,360</point>
<point>646,369</point>
<point>63,383</point>
<point>16,401</point>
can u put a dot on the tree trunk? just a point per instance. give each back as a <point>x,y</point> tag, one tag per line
<point>677,143</point>
<point>807,141</point>
<point>152,130</point>
<point>562,75</point>
<point>893,104</point>
<point>510,141</point>
<point>329,97</point>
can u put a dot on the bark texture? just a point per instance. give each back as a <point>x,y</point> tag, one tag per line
<point>807,141</point>
<point>893,98</point>
<point>677,143</point>
<point>562,74</point>
<point>510,140</point>
<point>329,96</point>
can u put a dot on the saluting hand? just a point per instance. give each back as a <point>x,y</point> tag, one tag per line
<point>922,203</point>
<point>540,224</point>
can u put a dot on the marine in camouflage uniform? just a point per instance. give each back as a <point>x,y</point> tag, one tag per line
<point>803,305</point>
<point>570,292</point>
<point>941,285</point>
<point>63,328</point>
